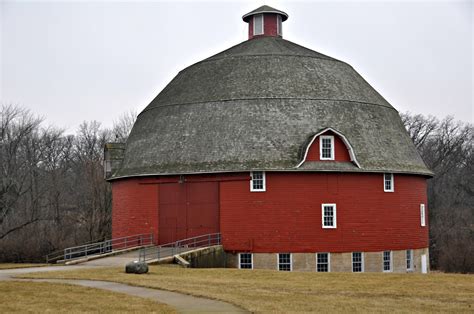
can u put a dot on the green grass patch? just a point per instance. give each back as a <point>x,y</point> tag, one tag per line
<point>272,291</point>
<point>41,297</point>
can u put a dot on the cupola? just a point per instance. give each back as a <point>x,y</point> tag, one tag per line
<point>265,21</point>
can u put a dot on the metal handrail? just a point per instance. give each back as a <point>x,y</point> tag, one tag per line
<point>102,247</point>
<point>177,247</point>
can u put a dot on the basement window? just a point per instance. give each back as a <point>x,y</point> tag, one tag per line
<point>357,262</point>
<point>326,147</point>
<point>422,215</point>
<point>284,261</point>
<point>322,262</point>
<point>258,24</point>
<point>328,213</point>
<point>245,261</point>
<point>409,260</point>
<point>388,182</point>
<point>387,261</point>
<point>257,181</point>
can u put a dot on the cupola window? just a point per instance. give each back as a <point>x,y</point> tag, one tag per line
<point>279,25</point>
<point>326,147</point>
<point>258,24</point>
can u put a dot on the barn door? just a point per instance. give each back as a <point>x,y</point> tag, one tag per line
<point>187,210</point>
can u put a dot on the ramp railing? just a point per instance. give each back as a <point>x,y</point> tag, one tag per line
<point>98,248</point>
<point>180,246</point>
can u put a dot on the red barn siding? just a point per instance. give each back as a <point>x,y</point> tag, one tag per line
<point>287,217</point>
<point>269,26</point>
<point>135,208</point>
<point>341,152</point>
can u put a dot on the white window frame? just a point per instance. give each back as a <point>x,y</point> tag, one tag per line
<point>362,266</point>
<point>422,215</point>
<point>254,20</point>
<point>291,261</point>
<point>329,261</point>
<point>390,261</point>
<point>251,261</point>
<point>331,138</point>
<point>409,262</point>
<point>334,225</point>
<point>264,188</point>
<point>279,22</point>
<point>392,183</point>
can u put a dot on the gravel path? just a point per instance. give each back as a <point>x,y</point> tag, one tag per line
<point>181,302</point>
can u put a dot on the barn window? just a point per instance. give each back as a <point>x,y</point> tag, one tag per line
<point>245,261</point>
<point>326,147</point>
<point>388,182</point>
<point>257,182</point>
<point>409,260</point>
<point>279,25</point>
<point>258,24</point>
<point>322,262</point>
<point>387,261</point>
<point>328,215</point>
<point>284,261</point>
<point>357,262</point>
<point>422,215</point>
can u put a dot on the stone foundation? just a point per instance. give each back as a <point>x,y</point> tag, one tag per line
<point>339,262</point>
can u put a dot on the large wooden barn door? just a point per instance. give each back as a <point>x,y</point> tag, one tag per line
<point>187,210</point>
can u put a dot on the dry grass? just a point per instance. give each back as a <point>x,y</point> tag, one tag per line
<point>15,265</point>
<point>40,297</point>
<point>271,291</point>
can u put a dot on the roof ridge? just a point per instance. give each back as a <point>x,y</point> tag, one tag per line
<point>257,98</point>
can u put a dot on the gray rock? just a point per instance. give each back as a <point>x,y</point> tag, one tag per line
<point>136,267</point>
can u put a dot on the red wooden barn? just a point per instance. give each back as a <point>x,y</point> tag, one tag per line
<point>289,154</point>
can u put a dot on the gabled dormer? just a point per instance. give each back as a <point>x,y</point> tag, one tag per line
<point>328,145</point>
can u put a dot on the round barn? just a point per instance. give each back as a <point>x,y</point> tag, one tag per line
<point>289,154</point>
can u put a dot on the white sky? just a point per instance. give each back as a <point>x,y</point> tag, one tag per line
<point>74,61</point>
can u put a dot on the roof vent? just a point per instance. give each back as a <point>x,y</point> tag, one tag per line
<point>265,21</point>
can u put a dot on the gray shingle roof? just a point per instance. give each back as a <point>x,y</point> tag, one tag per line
<point>264,9</point>
<point>254,107</point>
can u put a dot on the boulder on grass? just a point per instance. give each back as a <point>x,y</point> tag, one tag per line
<point>136,267</point>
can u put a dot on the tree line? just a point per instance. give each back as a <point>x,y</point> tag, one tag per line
<point>53,193</point>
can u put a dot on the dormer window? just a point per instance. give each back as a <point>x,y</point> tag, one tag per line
<point>326,147</point>
<point>258,24</point>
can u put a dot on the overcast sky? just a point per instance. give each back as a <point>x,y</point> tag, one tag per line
<point>74,61</point>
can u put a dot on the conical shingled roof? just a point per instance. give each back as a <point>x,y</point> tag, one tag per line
<point>254,107</point>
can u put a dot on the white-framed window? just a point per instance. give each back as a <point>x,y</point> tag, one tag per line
<point>279,25</point>
<point>258,24</point>
<point>257,182</point>
<point>328,214</point>
<point>245,260</point>
<point>326,147</point>
<point>285,262</point>
<point>409,260</point>
<point>388,182</point>
<point>323,262</point>
<point>387,261</point>
<point>357,262</point>
<point>422,215</point>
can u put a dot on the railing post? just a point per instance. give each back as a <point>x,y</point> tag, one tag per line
<point>208,240</point>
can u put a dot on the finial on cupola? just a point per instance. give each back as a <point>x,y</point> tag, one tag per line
<point>265,21</point>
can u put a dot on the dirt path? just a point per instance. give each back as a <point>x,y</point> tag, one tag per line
<point>181,302</point>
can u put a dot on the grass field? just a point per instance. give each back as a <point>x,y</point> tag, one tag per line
<point>271,291</point>
<point>15,265</point>
<point>39,297</point>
